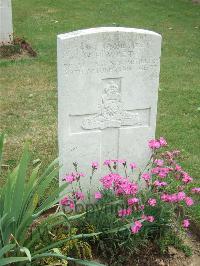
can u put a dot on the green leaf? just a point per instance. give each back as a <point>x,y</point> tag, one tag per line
<point>6,225</point>
<point>44,183</point>
<point>22,229</point>
<point>61,242</point>
<point>76,216</point>
<point>9,189</point>
<point>85,262</point>
<point>27,251</point>
<point>51,200</point>
<point>7,261</point>
<point>19,185</point>
<point>78,261</point>
<point>119,229</point>
<point>36,161</point>
<point>1,148</point>
<point>5,249</point>
<point>28,193</point>
<point>48,170</point>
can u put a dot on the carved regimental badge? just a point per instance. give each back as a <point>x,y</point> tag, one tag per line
<point>112,113</point>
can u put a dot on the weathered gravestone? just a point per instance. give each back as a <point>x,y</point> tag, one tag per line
<point>107,96</point>
<point>6,28</point>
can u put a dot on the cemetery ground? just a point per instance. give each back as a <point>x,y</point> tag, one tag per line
<point>29,85</point>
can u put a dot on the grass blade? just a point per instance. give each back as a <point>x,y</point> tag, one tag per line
<point>5,249</point>
<point>1,148</point>
<point>7,261</point>
<point>62,257</point>
<point>19,185</point>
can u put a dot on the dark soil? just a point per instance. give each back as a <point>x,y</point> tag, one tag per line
<point>150,256</point>
<point>18,48</point>
<point>174,257</point>
<point>196,1</point>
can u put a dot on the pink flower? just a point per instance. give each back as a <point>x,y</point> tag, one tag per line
<point>124,186</point>
<point>117,161</point>
<point>129,211</point>
<point>132,201</point>
<point>162,141</point>
<point>80,174</point>
<point>110,180</point>
<point>71,204</point>
<point>107,162</point>
<point>155,170</point>
<point>133,165</point>
<point>124,212</point>
<point>97,195</point>
<point>107,181</point>
<point>157,183</point>
<point>165,197</point>
<point>186,178</point>
<point>178,168</point>
<point>121,161</point>
<point>95,165</point>
<point>186,223</point>
<point>174,197</point>
<point>181,196</point>
<point>152,202</point>
<point>64,201</point>
<point>189,201</point>
<point>154,144</point>
<point>119,184</point>
<point>69,178</point>
<point>121,213</point>
<point>79,195</point>
<point>148,218</point>
<point>195,190</point>
<point>146,176</point>
<point>163,172</point>
<point>141,207</point>
<point>159,162</point>
<point>135,228</point>
<point>169,155</point>
<point>67,202</point>
<point>163,184</point>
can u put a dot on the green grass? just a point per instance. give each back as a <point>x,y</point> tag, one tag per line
<point>28,86</point>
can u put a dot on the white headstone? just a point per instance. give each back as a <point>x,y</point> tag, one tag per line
<point>6,27</point>
<point>108,82</point>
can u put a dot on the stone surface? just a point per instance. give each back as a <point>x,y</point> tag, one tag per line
<point>108,82</point>
<point>6,28</point>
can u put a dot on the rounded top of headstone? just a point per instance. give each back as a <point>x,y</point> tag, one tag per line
<point>89,31</point>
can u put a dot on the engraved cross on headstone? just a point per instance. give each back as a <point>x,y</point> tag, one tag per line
<point>112,117</point>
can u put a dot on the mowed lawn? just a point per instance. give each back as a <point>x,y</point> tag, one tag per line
<point>28,86</point>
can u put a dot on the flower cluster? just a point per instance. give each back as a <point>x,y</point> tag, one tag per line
<point>124,212</point>
<point>158,183</point>
<point>141,202</point>
<point>135,228</point>
<point>116,161</point>
<point>73,177</point>
<point>196,190</point>
<point>67,202</point>
<point>119,184</point>
<point>177,197</point>
<point>157,143</point>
